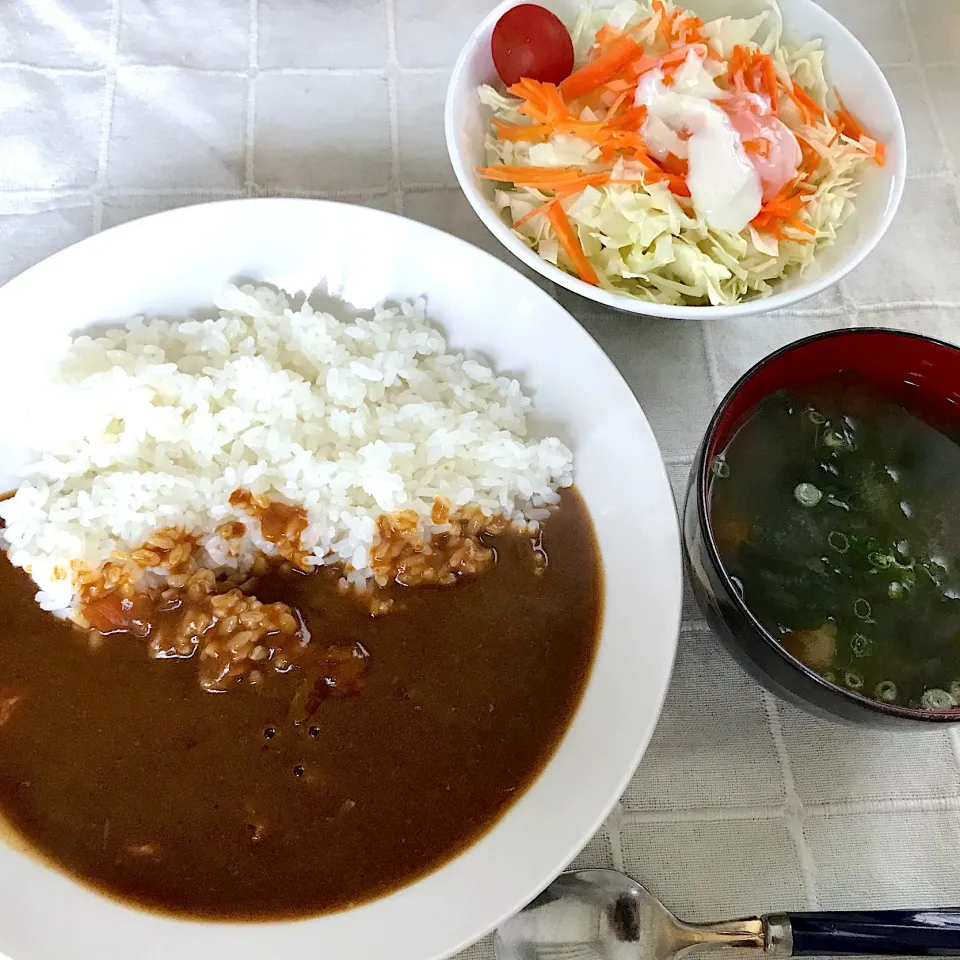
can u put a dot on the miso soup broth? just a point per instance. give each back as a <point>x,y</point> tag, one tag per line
<point>836,511</point>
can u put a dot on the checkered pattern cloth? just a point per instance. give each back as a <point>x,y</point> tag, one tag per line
<point>112,109</point>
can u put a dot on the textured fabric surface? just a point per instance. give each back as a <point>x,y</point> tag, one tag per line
<point>112,109</point>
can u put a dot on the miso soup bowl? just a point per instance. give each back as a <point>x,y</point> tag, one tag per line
<point>882,358</point>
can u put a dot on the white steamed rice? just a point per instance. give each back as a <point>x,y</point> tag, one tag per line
<point>159,422</point>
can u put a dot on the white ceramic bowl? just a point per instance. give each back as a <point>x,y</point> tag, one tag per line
<point>850,68</point>
<point>179,261</point>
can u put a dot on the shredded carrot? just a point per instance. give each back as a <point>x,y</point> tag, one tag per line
<point>619,144</point>
<point>542,101</point>
<point>807,106</point>
<point>644,64</point>
<point>754,72</point>
<point>616,105</point>
<point>778,230</point>
<point>678,185</point>
<point>674,165</point>
<point>811,159</point>
<point>567,188</point>
<point>603,68</point>
<point>607,35</point>
<point>737,65</point>
<point>808,101</point>
<point>571,244</point>
<point>640,154</point>
<point>610,134</point>
<point>779,210</point>
<point>757,148</point>
<point>630,119</point>
<point>587,180</point>
<point>594,100</point>
<point>712,53</point>
<point>848,125</point>
<point>543,208</point>
<point>783,208</point>
<point>592,179</point>
<point>800,226</point>
<point>544,178</point>
<point>637,68</point>
<point>665,27</point>
<point>545,97</point>
<point>689,30</point>
<point>569,181</point>
<point>534,132</point>
<point>770,81</point>
<point>671,171</point>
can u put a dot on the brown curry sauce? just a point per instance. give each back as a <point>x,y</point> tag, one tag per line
<point>404,739</point>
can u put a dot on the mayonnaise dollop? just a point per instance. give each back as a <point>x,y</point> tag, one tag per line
<point>724,184</point>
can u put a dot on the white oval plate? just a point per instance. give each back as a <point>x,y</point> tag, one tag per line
<point>177,262</point>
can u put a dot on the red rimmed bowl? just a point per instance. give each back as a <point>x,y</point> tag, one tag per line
<point>928,371</point>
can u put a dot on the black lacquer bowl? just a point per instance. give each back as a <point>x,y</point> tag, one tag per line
<point>884,358</point>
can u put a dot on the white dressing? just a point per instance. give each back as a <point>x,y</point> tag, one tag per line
<point>724,185</point>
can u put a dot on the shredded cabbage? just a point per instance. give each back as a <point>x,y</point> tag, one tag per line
<point>642,240</point>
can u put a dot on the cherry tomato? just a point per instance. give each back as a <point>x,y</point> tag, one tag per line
<point>529,41</point>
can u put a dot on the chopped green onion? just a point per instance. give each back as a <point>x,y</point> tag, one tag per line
<point>886,690</point>
<point>862,608</point>
<point>839,541</point>
<point>860,645</point>
<point>807,495</point>
<point>720,468</point>
<point>937,699</point>
<point>933,570</point>
<point>881,561</point>
<point>853,680</point>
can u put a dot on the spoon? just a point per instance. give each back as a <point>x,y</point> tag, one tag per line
<point>605,915</point>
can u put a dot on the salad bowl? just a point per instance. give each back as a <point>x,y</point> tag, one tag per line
<point>848,67</point>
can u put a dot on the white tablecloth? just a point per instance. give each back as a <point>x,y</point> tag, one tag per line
<point>112,109</point>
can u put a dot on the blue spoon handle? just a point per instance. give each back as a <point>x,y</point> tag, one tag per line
<point>905,933</point>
